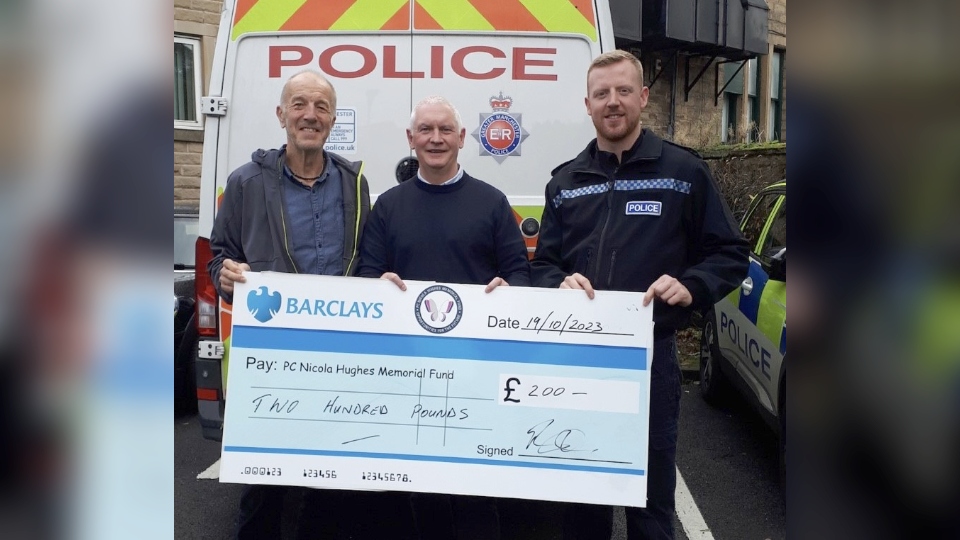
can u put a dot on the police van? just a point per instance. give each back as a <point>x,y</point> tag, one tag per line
<point>744,338</point>
<point>515,70</point>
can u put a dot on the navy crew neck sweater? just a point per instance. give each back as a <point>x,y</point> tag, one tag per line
<point>459,233</point>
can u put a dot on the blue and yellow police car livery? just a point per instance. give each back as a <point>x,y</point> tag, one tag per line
<point>744,338</point>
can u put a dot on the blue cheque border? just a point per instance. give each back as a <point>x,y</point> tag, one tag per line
<point>495,350</point>
<point>443,459</point>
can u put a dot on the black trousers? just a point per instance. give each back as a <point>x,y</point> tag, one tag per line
<point>456,517</point>
<point>655,522</point>
<point>324,514</point>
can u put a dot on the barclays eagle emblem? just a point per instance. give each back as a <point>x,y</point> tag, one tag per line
<point>263,304</point>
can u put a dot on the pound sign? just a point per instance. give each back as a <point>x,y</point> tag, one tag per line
<point>510,390</point>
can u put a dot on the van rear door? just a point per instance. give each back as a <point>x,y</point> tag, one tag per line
<point>363,47</point>
<point>516,70</point>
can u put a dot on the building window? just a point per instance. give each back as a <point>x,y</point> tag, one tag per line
<point>775,123</point>
<point>733,80</point>
<point>186,83</point>
<point>754,131</point>
<point>730,115</point>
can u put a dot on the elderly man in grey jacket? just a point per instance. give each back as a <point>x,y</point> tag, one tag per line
<point>296,209</point>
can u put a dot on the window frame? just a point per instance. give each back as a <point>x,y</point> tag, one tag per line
<point>196,44</point>
<point>777,216</point>
<point>758,206</point>
<point>752,93</point>
<point>775,124</point>
<point>732,94</point>
<point>186,229</point>
<point>730,115</point>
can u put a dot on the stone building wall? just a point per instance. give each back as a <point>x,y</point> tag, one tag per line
<point>197,19</point>
<point>697,117</point>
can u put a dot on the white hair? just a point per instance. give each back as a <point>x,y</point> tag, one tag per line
<point>317,76</point>
<point>435,100</point>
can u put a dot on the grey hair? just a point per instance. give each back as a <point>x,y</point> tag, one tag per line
<point>317,75</point>
<point>435,100</point>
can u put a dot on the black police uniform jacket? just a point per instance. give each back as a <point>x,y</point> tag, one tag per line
<point>623,225</point>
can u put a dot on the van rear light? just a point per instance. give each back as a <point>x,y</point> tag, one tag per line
<point>207,394</point>
<point>206,292</point>
<point>207,319</point>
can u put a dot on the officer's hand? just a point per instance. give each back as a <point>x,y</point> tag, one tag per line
<point>390,276</point>
<point>230,273</point>
<point>496,282</point>
<point>578,281</point>
<point>670,290</point>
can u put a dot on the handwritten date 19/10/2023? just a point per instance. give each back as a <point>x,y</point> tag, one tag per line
<point>547,323</point>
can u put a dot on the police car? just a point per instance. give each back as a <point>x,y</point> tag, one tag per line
<point>744,339</point>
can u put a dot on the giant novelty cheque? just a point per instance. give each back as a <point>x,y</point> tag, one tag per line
<point>351,383</point>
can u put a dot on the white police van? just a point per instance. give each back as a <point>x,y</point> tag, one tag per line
<point>516,72</point>
<point>744,336</point>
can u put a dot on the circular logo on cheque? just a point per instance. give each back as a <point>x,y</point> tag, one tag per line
<point>438,309</point>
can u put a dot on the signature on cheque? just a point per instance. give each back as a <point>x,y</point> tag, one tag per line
<point>547,440</point>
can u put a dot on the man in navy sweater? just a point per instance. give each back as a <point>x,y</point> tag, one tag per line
<point>447,226</point>
<point>444,225</point>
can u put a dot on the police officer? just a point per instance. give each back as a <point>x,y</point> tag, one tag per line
<point>633,212</point>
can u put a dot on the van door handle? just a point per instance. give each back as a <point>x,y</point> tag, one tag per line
<point>747,286</point>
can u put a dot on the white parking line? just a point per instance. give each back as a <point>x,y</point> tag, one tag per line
<point>688,513</point>
<point>212,472</point>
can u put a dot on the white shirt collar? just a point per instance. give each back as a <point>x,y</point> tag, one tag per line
<point>456,178</point>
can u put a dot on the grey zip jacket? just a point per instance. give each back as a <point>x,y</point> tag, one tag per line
<point>250,227</point>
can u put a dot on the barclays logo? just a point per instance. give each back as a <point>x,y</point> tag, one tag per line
<point>644,208</point>
<point>263,304</point>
